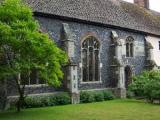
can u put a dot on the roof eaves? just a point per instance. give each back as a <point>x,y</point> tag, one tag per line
<point>71,19</point>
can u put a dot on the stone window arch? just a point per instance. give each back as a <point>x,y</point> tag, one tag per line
<point>90,59</point>
<point>129,46</point>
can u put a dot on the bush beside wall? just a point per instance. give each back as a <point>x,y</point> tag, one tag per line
<point>147,85</point>
<point>86,97</point>
<point>47,100</point>
<point>108,95</point>
<point>95,96</point>
<point>98,96</point>
<point>64,99</point>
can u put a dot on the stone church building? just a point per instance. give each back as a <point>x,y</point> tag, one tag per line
<point>107,42</point>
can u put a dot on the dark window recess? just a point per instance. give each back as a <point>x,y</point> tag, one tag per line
<point>31,78</point>
<point>159,45</point>
<point>129,47</point>
<point>90,59</point>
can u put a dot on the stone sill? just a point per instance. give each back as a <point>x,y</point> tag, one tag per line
<point>94,82</point>
<point>36,85</point>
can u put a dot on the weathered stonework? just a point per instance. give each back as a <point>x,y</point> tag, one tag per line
<point>68,39</point>
<point>103,34</point>
<point>69,36</point>
<point>69,23</point>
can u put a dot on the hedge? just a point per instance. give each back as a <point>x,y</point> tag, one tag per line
<point>95,96</point>
<point>47,100</point>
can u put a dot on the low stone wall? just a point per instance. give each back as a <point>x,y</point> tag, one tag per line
<point>11,100</point>
<point>118,92</point>
<point>34,89</point>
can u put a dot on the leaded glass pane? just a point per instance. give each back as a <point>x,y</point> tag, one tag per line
<point>90,64</point>
<point>127,49</point>
<point>90,60</point>
<point>85,44</point>
<point>91,42</point>
<point>84,66</point>
<point>96,65</point>
<point>131,50</point>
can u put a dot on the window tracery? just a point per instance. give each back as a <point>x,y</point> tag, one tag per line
<point>90,59</point>
<point>129,46</point>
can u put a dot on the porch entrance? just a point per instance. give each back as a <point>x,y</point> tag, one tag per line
<point>128,76</point>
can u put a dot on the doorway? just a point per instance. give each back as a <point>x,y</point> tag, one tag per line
<point>128,76</point>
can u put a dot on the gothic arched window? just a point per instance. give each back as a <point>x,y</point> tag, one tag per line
<point>129,47</point>
<point>90,59</point>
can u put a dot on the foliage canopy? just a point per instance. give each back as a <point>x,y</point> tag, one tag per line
<point>23,48</point>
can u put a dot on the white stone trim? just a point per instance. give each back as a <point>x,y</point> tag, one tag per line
<point>37,85</point>
<point>98,89</point>
<point>91,82</point>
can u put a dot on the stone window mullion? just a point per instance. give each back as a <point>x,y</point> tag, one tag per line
<point>90,63</point>
<point>94,65</point>
<point>129,47</point>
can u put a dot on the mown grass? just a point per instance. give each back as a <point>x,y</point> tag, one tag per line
<point>108,110</point>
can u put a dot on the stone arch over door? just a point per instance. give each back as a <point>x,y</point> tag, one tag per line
<point>128,75</point>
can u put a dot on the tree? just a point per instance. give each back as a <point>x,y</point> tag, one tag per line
<point>24,48</point>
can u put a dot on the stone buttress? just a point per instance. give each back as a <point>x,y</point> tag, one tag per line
<point>117,63</point>
<point>71,78</point>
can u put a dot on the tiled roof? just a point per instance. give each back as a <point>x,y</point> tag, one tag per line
<point>107,12</point>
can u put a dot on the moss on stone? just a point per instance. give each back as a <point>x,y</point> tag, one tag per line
<point>141,13</point>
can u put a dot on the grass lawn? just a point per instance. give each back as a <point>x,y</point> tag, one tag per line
<point>109,110</point>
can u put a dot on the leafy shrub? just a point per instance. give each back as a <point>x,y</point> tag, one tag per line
<point>32,102</point>
<point>47,100</point>
<point>147,85</point>
<point>138,84</point>
<point>98,96</point>
<point>152,88</point>
<point>108,95</point>
<point>62,99</point>
<point>86,97</point>
<point>130,94</point>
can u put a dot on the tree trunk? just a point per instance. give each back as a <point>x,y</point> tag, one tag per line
<point>21,88</point>
<point>3,95</point>
<point>20,102</point>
